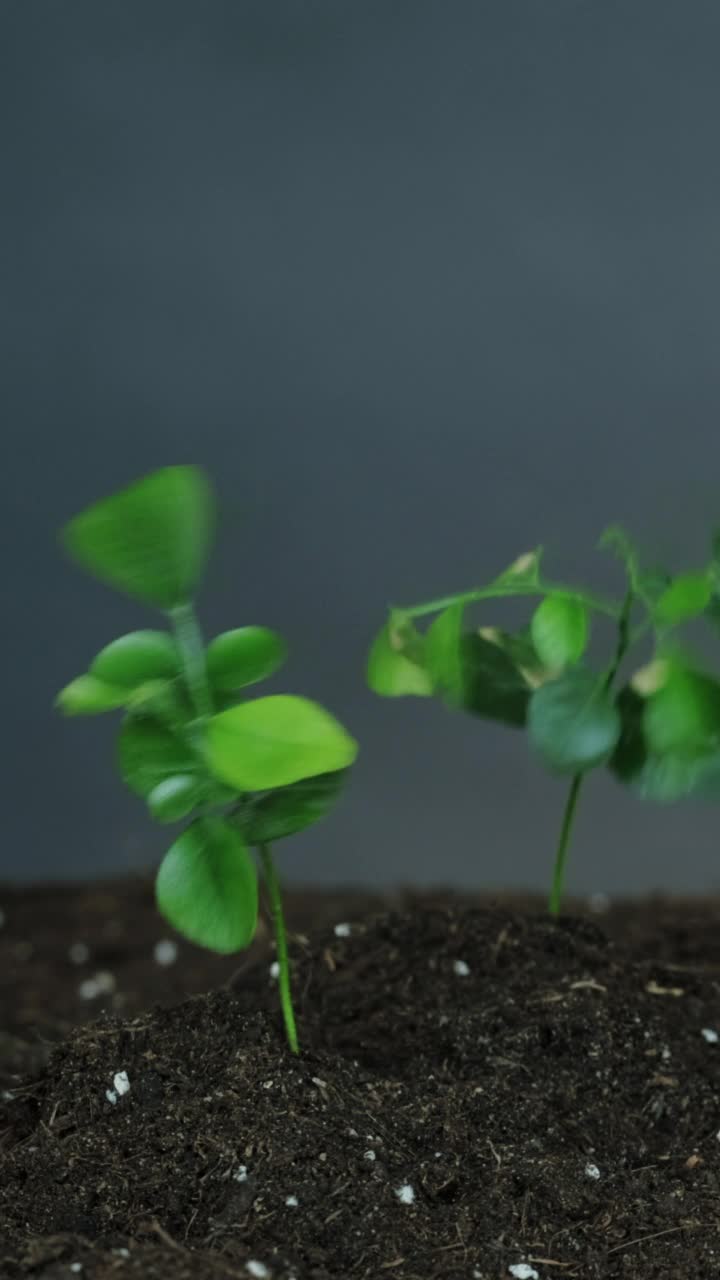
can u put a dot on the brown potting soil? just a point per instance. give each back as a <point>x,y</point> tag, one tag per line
<point>481,1094</point>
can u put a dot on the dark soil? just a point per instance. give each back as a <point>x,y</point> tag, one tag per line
<point>482,1093</point>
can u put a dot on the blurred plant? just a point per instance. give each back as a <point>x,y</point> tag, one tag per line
<point>659,733</point>
<point>239,773</point>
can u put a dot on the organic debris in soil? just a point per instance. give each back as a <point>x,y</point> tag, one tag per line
<point>480,1095</point>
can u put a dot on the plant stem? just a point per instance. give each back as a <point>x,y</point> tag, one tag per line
<point>563,844</point>
<point>273,884</point>
<point>192,652</point>
<point>623,642</point>
<point>496,592</point>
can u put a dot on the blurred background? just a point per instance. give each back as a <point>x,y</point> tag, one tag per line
<point>421,285</point>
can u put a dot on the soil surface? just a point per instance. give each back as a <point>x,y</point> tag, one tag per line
<point>482,1093</point>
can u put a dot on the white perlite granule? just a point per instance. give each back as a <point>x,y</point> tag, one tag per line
<point>406,1194</point>
<point>165,952</point>
<point>102,984</point>
<point>592,1171</point>
<point>709,1035</point>
<point>342,930</point>
<point>275,969</point>
<point>121,1085</point>
<point>257,1269</point>
<point>292,1202</point>
<point>461,969</point>
<point>523,1271</point>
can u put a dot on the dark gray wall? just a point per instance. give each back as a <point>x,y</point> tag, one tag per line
<point>420,284</point>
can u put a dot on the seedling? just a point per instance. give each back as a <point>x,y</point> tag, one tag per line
<point>659,733</point>
<point>238,773</point>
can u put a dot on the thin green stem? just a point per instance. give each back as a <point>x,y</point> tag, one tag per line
<point>496,592</point>
<point>558,879</point>
<point>273,885</point>
<point>192,652</point>
<point>623,642</point>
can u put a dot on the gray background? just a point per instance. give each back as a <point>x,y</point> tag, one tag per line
<point>421,284</point>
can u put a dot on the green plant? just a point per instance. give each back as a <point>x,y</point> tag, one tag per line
<point>658,733</point>
<point>239,773</point>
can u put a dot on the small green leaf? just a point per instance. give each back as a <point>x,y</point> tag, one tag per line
<point>88,696</point>
<point>522,573</point>
<point>664,779</point>
<point>559,630</point>
<point>207,887</point>
<point>443,656</point>
<point>573,723</point>
<point>136,658</point>
<point>390,672</point>
<point>493,686</point>
<point>149,540</point>
<point>617,541</point>
<point>244,656</point>
<point>174,798</point>
<point>274,741</point>
<point>687,597</point>
<point>148,753</point>
<point>283,812</point>
<point>683,716</point>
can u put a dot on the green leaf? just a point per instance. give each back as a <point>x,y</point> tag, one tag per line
<point>616,540</point>
<point>88,696</point>
<point>687,597</point>
<point>559,630</point>
<point>522,573</point>
<point>207,887</point>
<point>149,540</point>
<point>274,741</point>
<point>664,779</point>
<point>573,723</point>
<point>175,797</point>
<point>443,656</point>
<point>289,809</point>
<point>493,686</point>
<point>136,658</point>
<point>683,716</point>
<point>244,656</point>
<point>148,754</point>
<point>390,672</point>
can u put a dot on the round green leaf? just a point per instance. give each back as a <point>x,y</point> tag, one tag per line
<point>88,696</point>
<point>148,754</point>
<point>443,652</point>
<point>664,779</point>
<point>289,809</point>
<point>683,716</point>
<point>687,597</point>
<point>272,742</point>
<point>244,656</point>
<point>134,659</point>
<point>493,686</point>
<point>206,887</point>
<point>390,672</point>
<point>559,630</point>
<point>174,798</point>
<point>149,540</point>
<point>573,723</point>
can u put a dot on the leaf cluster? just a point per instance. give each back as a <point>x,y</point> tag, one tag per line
<point>237,771</point>
<point>658,733</point>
